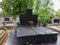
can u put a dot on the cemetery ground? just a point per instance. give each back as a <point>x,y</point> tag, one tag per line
<point>3,36</point>
<point>5,32</point>
<point>13,40</point>
<point>9,31</point>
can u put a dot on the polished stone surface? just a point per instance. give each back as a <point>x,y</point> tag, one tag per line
<point>35,35</point>
<point>12,40</point>
<point>43,30</point>
<point>29,31</point>
<point>25,31</point>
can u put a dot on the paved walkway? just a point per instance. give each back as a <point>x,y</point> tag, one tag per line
<point>55,28</point>
<point>12,40</point>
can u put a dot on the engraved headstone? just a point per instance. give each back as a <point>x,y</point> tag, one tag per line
<point>28,18</point>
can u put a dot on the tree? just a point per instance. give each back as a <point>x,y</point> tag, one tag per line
<point>41,7</point>
<point>44,10</point>
<point>16,7</point>
<point>57,13</point>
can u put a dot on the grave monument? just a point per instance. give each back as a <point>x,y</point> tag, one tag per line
<point>28,33</point>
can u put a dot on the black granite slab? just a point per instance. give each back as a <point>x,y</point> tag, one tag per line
<point>35,35</point>
<point>12,40</point>
<point>29,31</point>
<point>25,31</point>
<point>43,30</point>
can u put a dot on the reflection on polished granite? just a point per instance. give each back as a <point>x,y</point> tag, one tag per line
<point>12,40</point>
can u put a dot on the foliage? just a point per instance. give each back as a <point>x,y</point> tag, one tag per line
<point>44,10</point>
<point>57,13</point>
<point>44,17</point>
<point>15,7</point>
<point>0,13</point>
<point>41,7</point>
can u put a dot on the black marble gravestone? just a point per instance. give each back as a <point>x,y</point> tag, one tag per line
<point>32,34</point>
<point>35,35</point>
<point>29,11</point>
<point>28,18</point>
